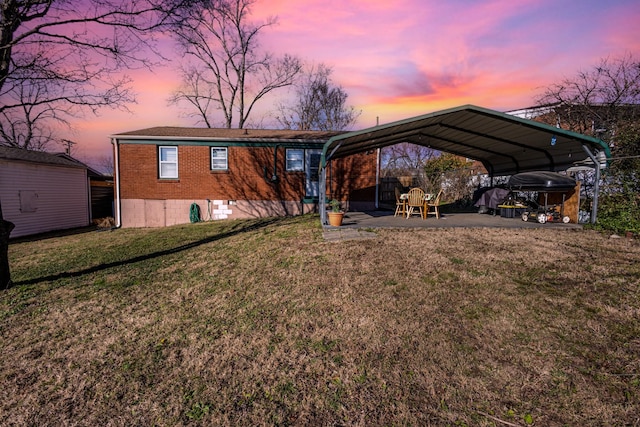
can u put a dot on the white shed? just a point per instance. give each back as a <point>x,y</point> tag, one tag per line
<point>42,192</point>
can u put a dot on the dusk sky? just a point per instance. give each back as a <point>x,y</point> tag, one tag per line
<point>404,58</point>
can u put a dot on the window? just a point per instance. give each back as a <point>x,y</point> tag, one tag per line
<point>219,159</point>
<point>168,162</point>
<point>295,160</point>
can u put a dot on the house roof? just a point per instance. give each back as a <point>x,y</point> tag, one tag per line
<point>505,144</point>
<point>19,154</point>
<point>169,132</point>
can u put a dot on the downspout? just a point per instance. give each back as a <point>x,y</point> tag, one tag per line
<point>116,182</point>
<point>274,174</point>
<point>89,204</point>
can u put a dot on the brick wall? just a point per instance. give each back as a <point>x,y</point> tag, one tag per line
<point>244,180</point>
<point>244,190</point>
<point>353,178</point>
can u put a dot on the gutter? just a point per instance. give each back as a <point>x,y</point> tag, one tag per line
<point>294,141</point>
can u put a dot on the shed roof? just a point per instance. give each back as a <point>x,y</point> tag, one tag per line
<point>20,154</point>
<point>505,144</point>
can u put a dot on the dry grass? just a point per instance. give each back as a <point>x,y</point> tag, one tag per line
<point>264,323</point>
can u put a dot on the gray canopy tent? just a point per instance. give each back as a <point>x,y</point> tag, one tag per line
<point>503,143</point>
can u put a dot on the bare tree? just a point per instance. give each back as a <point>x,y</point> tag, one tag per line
<point>38,36</point>
<point>318,104</point>
<point>405,158</point>
<point>61,58</point>
<point>199,93</point>
<point>604,102</point>
<point>27,124</point>
<point>105,164</point>
<point>226,71</point>
<point>58,59</point>
<point>595,101</point>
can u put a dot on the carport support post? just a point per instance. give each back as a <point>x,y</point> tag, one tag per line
<point>322,196</point>
<point>596,187</point>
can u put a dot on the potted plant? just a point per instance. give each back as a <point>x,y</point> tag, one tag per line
<point>336,214</point>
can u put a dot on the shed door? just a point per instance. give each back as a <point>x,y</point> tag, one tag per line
<point>312,167</point>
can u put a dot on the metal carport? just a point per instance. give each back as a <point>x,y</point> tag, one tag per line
<point>505,144</point>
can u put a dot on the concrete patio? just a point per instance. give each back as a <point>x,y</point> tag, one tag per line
<point>356,224</point>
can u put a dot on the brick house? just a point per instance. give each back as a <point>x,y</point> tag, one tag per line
<point>230,173</point>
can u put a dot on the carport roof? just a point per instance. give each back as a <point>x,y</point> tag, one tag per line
<point>505,144</point>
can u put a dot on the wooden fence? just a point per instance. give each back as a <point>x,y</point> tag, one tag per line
<point>389,184</point>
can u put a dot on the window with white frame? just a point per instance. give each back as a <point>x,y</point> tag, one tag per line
<point>219,159</point>
<point>168,162</point>
<point>295,160</point>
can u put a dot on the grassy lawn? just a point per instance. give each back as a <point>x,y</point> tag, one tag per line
<point>262,322</point>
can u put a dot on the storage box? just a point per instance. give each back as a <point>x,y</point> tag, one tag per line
<point>510,211</point>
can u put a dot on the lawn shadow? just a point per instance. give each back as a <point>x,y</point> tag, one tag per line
<point>71,274</point>
<point>54,234</point>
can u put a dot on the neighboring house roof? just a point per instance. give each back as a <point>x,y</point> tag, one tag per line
<point>19,154</point>
<point>534,111</point>
<point>169,132</point>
